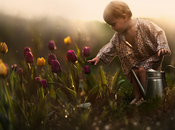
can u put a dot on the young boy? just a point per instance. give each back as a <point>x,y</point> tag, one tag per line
<point>140,44</point>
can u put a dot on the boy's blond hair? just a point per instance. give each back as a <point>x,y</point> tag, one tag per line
<point>116,9</point>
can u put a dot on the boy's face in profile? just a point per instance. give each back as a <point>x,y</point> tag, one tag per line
<point>118,24</point>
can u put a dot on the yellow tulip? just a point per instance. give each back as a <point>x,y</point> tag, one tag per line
<point>3,47</point>
<point>67,40</point>
<point>3,69</point>
<point>41,61</point>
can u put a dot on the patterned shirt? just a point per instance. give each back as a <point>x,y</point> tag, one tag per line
<point>149,38</point>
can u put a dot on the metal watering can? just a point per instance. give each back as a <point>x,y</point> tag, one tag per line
<point>155,83</point>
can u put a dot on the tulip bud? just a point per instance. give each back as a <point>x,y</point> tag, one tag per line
<point>51,45</point>
<point>26,49</point>
<point>86,51</point>
<point>51,57</point>
<point>41,61</point>
<point>29,57</point>
<point>3,69</point>
<point>20,71</point>
<point>55,66</point>
<point>71,56</point>
<point>14,67</point>
<point>87,69</point>
<point>3,47</point>
<point>67,40</point>
<point>44,83</point>
<point>38,80</point>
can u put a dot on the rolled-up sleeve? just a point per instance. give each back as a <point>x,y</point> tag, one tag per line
<point>157,34</point>
<point>108,52</point>
<point>162,42</point>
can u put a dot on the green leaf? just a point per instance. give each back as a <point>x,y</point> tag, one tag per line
<point>75,77</point>
<point>82,63</point>
<point>92,94</point>
<point>71,95</point>
<point>52,93</point>
<point>120,83</point>
<point>103,77</point>
<point>62,96</point>
<point>91,81</point>
<point>115,81</point>
<point>4,122</point>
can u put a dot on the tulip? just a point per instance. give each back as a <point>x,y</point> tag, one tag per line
<point>20,71</point>
<point>55,66</point>
<point>51,45</point>
<point>71,56</point>
<point>26,49</point>
<point>29,57</point>
<point>85,51</point>
<point>67,40</point>
<point>87,69</point>
<point>41,61</point>
<point>3,69</point>
<point>44,83</point>
<point>14,67</point>
<point>38,80</point>
<point>3,47</point>
<point>51,57</point>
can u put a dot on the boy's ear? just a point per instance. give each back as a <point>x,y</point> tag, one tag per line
<point>125,16</point>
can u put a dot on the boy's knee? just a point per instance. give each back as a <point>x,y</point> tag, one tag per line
<point>141,71</point>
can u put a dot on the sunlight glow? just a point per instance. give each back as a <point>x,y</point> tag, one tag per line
<point>83,9</point>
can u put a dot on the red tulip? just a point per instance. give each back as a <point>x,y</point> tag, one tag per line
<point>44,83</point>
<point>20,71</point>
<point>51,57</point>
<point>38,80</point>
<point>86,51</point>
<point>87,69</point>
<point>26,49</point>
<point>51,45</point>
<point>71,56</point>
<point>14,67</point>
<point>29,57</point>
<point>55,66</point>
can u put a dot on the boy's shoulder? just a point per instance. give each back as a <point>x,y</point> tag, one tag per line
<point>146,23</point>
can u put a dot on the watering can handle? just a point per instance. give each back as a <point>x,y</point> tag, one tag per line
<point>169,66</point>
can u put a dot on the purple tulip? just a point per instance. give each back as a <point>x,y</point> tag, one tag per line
<point>51,45</point>
<point>71,56</point>
<point>26,49</point>
<point>44,83</point>
<point>87,69</point>
<point>86,51</point>
<point>38,80</point>
<point>14,67</point>
<point>55,66</point>
<point>29,57</point>
<point>51,57</point>
<point>20,71</point>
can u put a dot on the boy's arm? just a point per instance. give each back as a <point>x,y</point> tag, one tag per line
<point>162,44</point>
<point>108,52</point>
<point>158,34</point>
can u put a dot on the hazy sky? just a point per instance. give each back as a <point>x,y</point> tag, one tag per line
<point>84,9</point>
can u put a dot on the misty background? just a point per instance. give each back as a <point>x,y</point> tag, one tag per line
<point>34,24</point>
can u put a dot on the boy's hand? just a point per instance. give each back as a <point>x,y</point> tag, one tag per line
<point>162,52</point>
<point>94,61</point>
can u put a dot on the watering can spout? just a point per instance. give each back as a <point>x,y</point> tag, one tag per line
<point>139,84</point>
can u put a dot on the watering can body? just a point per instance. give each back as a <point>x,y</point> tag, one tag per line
<point>155,83</point>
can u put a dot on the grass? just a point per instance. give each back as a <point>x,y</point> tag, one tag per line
<point>78,101</point>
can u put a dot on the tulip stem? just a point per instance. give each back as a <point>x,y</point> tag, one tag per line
<point>2,83</point>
